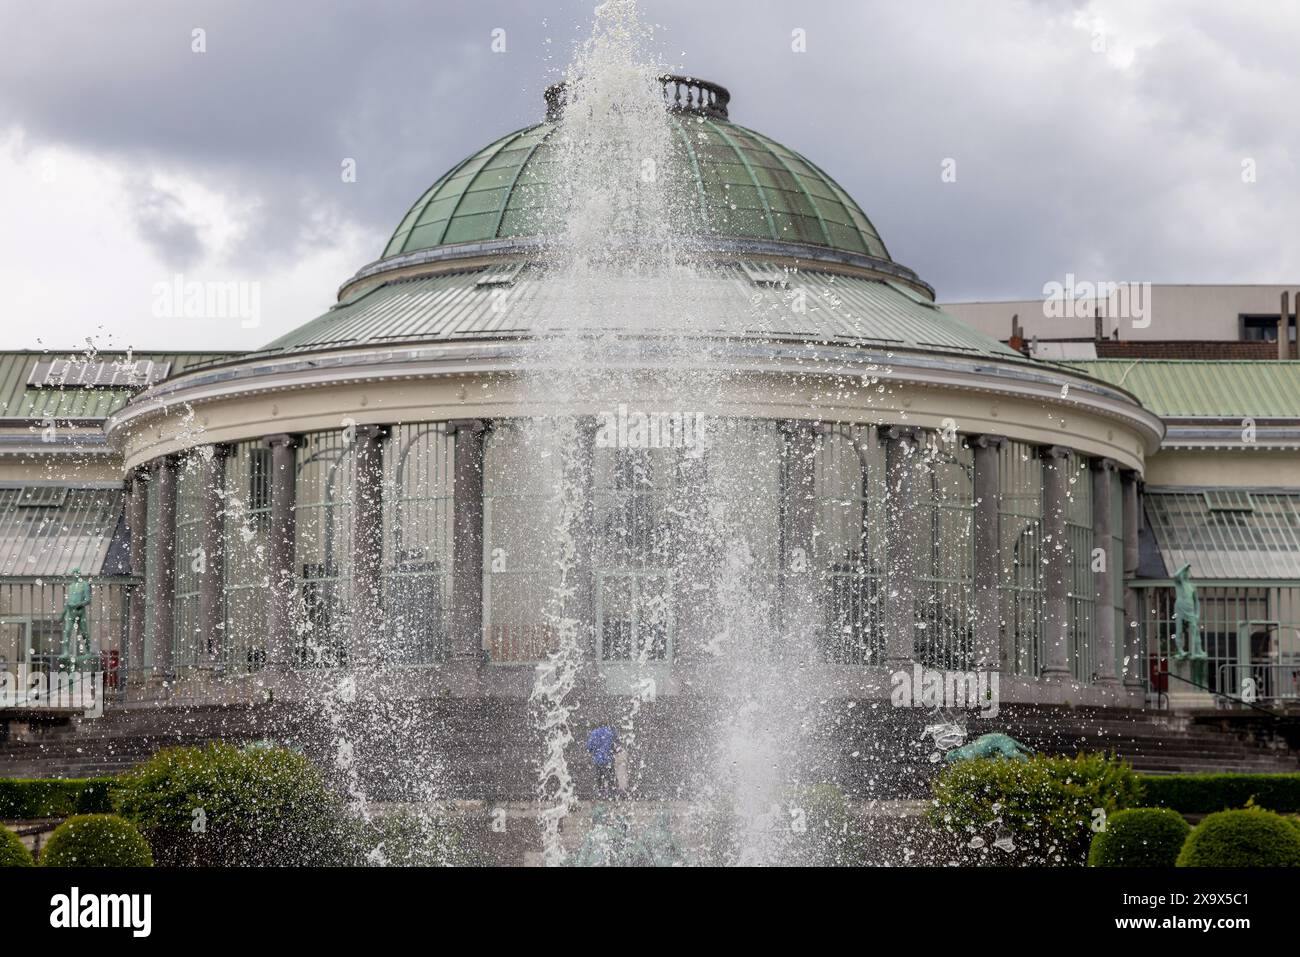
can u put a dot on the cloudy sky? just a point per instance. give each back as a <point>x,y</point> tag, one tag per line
<point>1115,140</point>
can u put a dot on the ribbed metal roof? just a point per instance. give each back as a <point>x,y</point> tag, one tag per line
<point>1189,388</point>
<point>18,399</point>
<point>50,530</point>
<point>745,186</point>
<point>722,300</point>
<point>1261,542</point>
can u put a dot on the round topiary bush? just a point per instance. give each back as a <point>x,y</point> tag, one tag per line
<point>1251,837</point>
<point>13,852</point>
<point>96,840</point>
<point>223,806</point>
<point>1139,837</point>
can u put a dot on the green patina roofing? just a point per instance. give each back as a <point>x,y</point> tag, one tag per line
<point>20,400</point>
<point>747,186</point>
<point>1190,388</point>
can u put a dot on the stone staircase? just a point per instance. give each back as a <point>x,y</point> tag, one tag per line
<point>883,758</point>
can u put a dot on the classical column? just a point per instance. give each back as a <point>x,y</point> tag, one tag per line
<point>211,624</point>
<point>802,614</point>
<point>1056,571</point>
<point>1103,604</point>
<point>281,542</point>
<point>164,583</point>
<point>1135,673</point>
<point>989,654</point>
<point>467,542</point>
<point>137,522</point>
<point>368,545</point>
<point>900,543</point>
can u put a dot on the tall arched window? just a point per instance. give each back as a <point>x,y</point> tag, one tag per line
<point>323,548</point>
<point>418,524</point>
<point>246,513</point>
<point>1020,521</point>
<point>849,547</point>
<point>945,572</point>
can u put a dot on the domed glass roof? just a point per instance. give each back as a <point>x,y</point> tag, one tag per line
<point>748,187</point>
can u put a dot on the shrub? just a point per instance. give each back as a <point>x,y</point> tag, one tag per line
<point>1207,793</point>
<point>1251,837</point>
<point>1139,837</point>
<point>96,840</point>
<point>13,852</point>
<point>1045,806</point>
<point>404,840</point>
<point>22,798</point>
<point>225,806</point>
<point>832,838</point>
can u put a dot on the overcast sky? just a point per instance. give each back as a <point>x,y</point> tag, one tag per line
<point>1154,141</point>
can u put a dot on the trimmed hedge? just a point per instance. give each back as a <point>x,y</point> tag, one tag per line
<point>27,798</point>
<point>96,840</point>
<point>222,806</point>
<point>1045,805</point>
<point>1251,837</point>
<point>1139,837</point>
<point>1207,793</point>
<point>13,852</point>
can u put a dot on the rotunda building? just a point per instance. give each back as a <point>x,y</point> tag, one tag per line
<point>368,489</point>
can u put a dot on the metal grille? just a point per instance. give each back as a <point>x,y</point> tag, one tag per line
<point>31,624</point>
<point>849,478</point>
<point>633,551</point>
<point>190,557</point>
<point>150,571</point>
<point>1020,512</point>
<point>246,512</point>
<point>1248,631</point>
<point>945,572</point>
<point>323,548</point>
<point>523,466</point>
<point>1082,591</point>
<point>418,524</point>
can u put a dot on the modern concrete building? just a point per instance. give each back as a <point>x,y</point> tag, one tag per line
<point>341,497</point>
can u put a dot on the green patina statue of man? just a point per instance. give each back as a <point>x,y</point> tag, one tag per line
<point>1187,613</point>
<point>76,619</point>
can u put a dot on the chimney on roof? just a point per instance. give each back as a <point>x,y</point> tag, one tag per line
<point>1098,325</point>
<point>1284,315</point>
<point>1017,340</point>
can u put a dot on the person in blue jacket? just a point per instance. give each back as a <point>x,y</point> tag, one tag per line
<point>601,742</point>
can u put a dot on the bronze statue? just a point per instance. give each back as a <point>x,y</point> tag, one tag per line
<point>76,619</point>
<point>995,745</point>
<point>1187,611</point>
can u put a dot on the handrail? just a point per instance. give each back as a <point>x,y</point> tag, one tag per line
<point>1221,694</point>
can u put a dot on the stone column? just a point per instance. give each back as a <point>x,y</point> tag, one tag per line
<point>368,546</point>
<point>164,583</point>
<point>1103,580</point>
<point>900,543</point>
<point>989,654</point>
<point>467,542</point>
<point>1135,673</point>
<point>802,612</point>
<point>1056,571</point>
<point>281,542</point>
<point>137,522</point>
<point>212,581</point>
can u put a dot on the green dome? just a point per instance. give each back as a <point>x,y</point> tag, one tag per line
<point>749,188</point>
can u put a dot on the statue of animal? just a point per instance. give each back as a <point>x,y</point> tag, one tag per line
<point>992,745</point>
